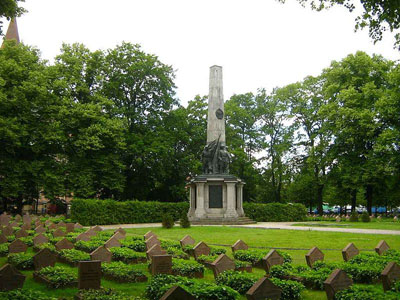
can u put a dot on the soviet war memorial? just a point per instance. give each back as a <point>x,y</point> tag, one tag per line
<point>221,150</point>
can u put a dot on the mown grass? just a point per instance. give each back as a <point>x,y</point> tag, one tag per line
<point>227,236</point>
<point>375,224</point>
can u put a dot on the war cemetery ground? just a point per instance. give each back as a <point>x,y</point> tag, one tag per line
<point>44,257</point>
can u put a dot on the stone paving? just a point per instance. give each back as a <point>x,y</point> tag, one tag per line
<point>273,225</point>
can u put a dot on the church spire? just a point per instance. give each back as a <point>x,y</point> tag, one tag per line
<point>12,32</point>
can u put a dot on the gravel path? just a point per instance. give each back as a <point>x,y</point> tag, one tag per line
<point>273,225</point>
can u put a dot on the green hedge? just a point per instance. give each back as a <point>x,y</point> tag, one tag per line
<point>275,212</point>
<point>101,212</point>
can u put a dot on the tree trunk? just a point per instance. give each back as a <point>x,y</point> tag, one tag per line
<point>353,200</point>
<point>368,196</point>
<point>319,199</point>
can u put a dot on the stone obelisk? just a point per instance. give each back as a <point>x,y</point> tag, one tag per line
<point>216,112</point>
<point>216,197</point>
<point>12,32</point>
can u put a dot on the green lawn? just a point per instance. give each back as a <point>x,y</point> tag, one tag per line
<point>253,237</point>
<point>386,225</point>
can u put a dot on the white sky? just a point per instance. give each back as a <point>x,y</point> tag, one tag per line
<point>259,43</point>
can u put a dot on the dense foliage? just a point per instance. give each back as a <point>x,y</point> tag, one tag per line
<point>25,294</point>
<point>121,272</point>
<point>59,277</point>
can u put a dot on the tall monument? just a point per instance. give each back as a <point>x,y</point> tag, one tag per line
<point>12,32</point>
<point>215,195</point>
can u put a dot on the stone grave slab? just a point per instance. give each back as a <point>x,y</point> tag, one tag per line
<point>177,293</point>
<point>44,258</point>
<point>349,252</point>
<point>119,236</point>
<point>149,234</point>
<point>382,247</point>
<point>8,230</point>
<point>47,223</point>
<point>27,219</point>
<point>89,275</point>
<point>90,232</point>
<point>4,219</point>
<point>239,245</point>
<point>155,250</point>
<point>10,278</point>
<point>64,244</point>
<point>101,254</point>
<point>3,239</point>
<point>264,289</point>
<point>222,264</point>
<point>112,242</point>
<point>38,223</point>
<point>337,281</point>
<point>14,224</point>
<point>18,218</point>
<point>21,233</point>
<point>61,224</point>
<point>201,249</point>
<point>314,255</point>
<point>161,264</point>
<point>40,239</point>
<point>53,226</point>
<point>78,226</point>
<point>389,275</point>
<point>59,233</point>
<point>121,231</point>
<point>151,242</point>
<point>70,227</point>
<point>273,258</point>
<point>187,240</point>
<point>17,246</point>
<point>83,237</point>
<point>97,228</point>
<point>40,229</point>
<point>26,226</point>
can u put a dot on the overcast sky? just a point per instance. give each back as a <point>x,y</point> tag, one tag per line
<point>259,43</point>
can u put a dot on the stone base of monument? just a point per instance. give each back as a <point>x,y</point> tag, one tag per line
<point>217,199</point>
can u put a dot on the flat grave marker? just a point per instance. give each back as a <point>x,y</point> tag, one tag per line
<point>177,293</point>
<point>4,219</point>
<point>264,289</point>
<point>314,255</point>
<point>239,245</point>
<point>382,247</point>
<point>8,230</point>
<point>64,244</point>
<point>61,224</point>
<point>97,228</point>
<point>201,249</point>
<point>10,278</point>
<point>40,239</point>
<point>70,227</point>
<point>187,240</point>
<point>161,264</point>
<point>26,219</point>
<point>222,264</point>
<point>101,254</point>
<point>389,275</point>
<point>44,258</point>
<point>89,275</point>
<point>118,235</point>
<point>121,231</point>
<point>14,224</point>
<point>18,217</point>
<point>26,226</point>
<point>53,226</point>
<point>3,239</point>
<point>349,252</point>
<point>17,246</point>
<point>149,234</point>
<point>59,233</point>
<point>337,281</point>
<point>83,237</point>
<point>273,258</point>
<point>40,229</point>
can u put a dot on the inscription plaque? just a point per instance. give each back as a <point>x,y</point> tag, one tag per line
<point>215,196</point>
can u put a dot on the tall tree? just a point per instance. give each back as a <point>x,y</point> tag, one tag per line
<point>10,9</point>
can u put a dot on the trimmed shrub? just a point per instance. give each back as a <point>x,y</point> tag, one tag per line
<point>122,272</point>
<point>100,212</point>
<point>106,294</point>
<point>88,246</point>
<point>187,268</point>
<point>202,291</point>
<point>49,246</point>
<point>134,244</point>
<point>239,281</point>
<point>291,290</point>
<point>73,255</point>
<point>126,255</point>
<point>275,212</point>
<point>217,250</point>
<point>353,217</point>
<point>4,249</point>
<point>24,294</point>
<point>58,277</point>
<point>21,261</point>
<point>177,253</point>
<point>168,221</point>
<point>252,256</point>
<point>170,244</point>
<point>365,293</point>
<point>365,217</point>
<point>184,221</point>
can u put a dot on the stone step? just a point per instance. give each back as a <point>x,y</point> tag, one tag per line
<point>222,221</point>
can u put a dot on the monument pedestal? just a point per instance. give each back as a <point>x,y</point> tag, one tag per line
<point>216,197</point>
